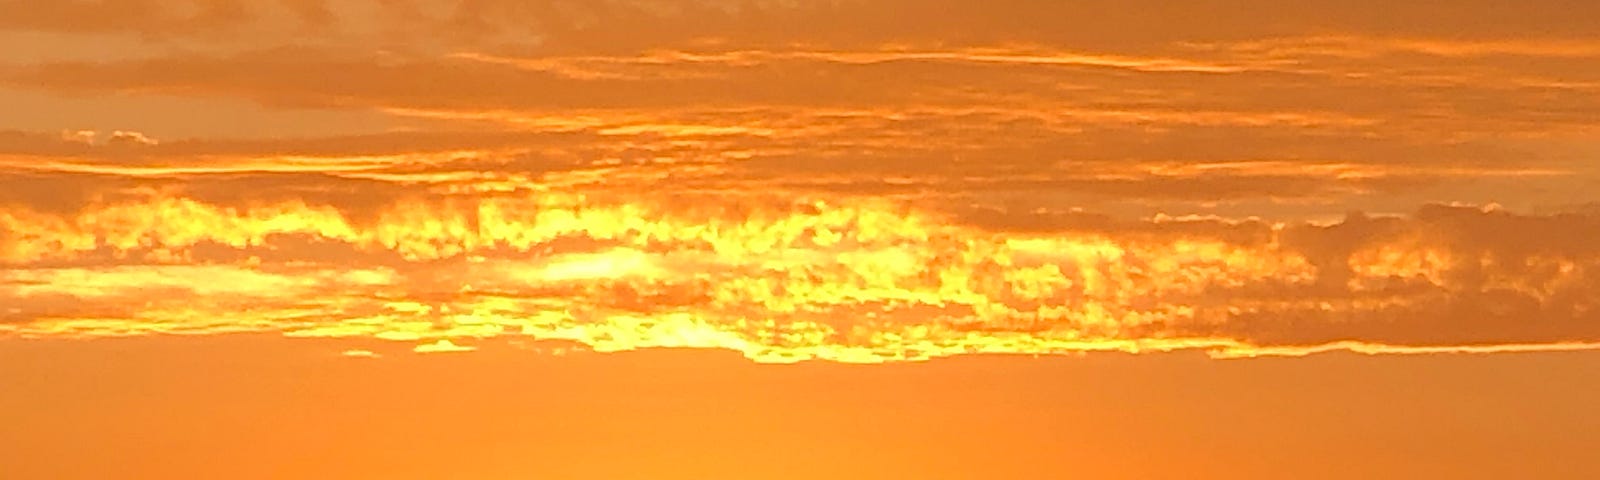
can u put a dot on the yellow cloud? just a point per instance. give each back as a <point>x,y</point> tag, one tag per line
<point>859,280</point>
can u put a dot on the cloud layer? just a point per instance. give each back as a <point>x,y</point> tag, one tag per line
<point>707,174</point>
<point>860,279</point>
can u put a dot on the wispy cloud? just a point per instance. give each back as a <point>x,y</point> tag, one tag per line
<point>360,354</point>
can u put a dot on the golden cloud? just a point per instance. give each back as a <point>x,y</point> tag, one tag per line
<point>841,279</point>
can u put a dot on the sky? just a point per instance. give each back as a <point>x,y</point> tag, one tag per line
<point>1018,237</point>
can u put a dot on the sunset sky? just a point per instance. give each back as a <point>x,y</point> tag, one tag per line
<point>688,239</point>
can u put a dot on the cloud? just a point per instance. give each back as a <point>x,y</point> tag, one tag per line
<point>1204,85</point>
<point>900,180</point>
<point>1366,47</point>
<point>632,24</point>
<point>847,280</point>
<point>864,107</point>
<point>360,354</point>
<point>443,345</point>
<point>79,136</point>
<point>120,137</point>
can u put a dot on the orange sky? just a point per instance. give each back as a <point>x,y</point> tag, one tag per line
<point>470,190</point>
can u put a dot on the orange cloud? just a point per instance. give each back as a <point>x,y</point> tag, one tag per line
<point>898,182</point>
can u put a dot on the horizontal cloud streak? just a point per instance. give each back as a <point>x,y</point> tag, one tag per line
<point>855,281</point>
